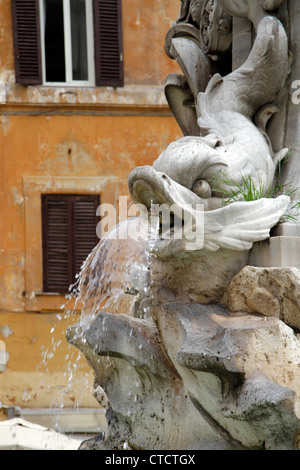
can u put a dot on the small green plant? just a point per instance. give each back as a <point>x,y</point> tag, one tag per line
<point>232,191</point>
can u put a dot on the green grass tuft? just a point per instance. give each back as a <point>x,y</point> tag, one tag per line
<point>246,190</point>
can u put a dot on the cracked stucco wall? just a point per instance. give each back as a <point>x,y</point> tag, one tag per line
<point>59,131</point>
<point>70,132</point>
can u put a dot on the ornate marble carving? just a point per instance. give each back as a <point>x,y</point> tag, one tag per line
<point>223,111</point>
<point>206,22</point>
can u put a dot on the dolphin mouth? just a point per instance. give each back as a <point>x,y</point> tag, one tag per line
<point>178,208</point>
<point>145,193</point>
<point>148,186</point>
<point>153,190</point>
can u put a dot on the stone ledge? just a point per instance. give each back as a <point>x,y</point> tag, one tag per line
<point>276,252</point>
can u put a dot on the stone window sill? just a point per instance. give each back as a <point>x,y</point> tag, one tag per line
<point>19,97</point>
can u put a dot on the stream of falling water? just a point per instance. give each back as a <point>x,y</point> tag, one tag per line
<point>119,265</point>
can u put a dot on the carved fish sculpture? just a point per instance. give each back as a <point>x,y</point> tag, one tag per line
<point>225,112</point>
<point>228,142</point>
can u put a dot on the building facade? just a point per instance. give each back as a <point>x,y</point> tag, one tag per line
<point>82,104</point>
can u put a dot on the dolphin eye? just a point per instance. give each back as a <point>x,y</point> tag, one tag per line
<point>202,189</point>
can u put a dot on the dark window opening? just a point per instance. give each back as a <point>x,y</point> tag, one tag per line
<point>54,41</point>
<point>69,235</point>
<point>79,40</point>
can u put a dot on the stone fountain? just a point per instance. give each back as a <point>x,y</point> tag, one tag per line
<point>194,346</point>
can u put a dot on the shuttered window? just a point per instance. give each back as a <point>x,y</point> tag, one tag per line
<point>108,43</point>
<point>26,26</point>
<point>34,59</point>
<point>69,235</point>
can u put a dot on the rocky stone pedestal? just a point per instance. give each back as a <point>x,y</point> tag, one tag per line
<point>200,378</point>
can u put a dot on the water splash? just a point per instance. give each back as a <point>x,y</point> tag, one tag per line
<point>115,277</point>
<point>117,272</point>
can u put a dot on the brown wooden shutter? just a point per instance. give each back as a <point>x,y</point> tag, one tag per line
<point>69,235</point>
<point>56,241</point>
<point>84,229</point>
<point>27,41</point>
<point>108,43</point>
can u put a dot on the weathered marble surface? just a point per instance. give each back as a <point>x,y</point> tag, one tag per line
<point>192,348</point>
<point>202,378</point>
<point>187,373</point>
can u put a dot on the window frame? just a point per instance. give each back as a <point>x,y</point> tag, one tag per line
<point>105,45</point>
<point>68,46</point>
<point>35,300</point>
<point>70,243</point>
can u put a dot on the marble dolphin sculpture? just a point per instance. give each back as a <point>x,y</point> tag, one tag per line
<point>232,115</point>
<point>254,10</point>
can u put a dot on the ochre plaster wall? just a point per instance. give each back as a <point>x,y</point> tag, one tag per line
<point>73,146</point>
<point>56,146</point>
<point>43,369</point>
<point>69,133</point>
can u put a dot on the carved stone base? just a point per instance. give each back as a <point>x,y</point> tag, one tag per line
<point>203,378</point>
